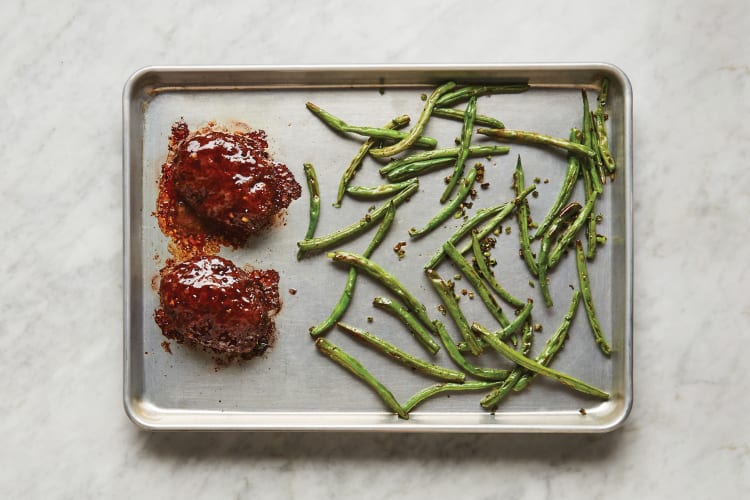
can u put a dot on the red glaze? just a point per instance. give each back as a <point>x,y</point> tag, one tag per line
<point>209,301</point>
<point>230,182</point>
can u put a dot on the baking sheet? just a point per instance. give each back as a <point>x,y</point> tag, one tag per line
<point>292,386</point>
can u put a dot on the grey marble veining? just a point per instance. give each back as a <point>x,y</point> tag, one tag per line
<point>63,431</point>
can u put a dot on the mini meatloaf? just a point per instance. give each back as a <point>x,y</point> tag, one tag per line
<point>230,182</point>
<point>209,302</point>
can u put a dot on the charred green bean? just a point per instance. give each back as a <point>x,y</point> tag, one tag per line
<point>411,323</point>
<point>386,279</point>
<point>418,128</point>
<point>458,114</point>
<point>349,362</point>
<point>463,150</point>
<point>479,90</point>
<point>450,208</point>
<point>447,296</point>
<point>324,242</point>
<point>493,374</point>
<point>524,137</point>
<point>532,365</point>
<point>403,357</point>
<point>356,162</point>
<point>346,297</point>
<point>588,300</point>
<point>436,389</point>
<point>384,133</point>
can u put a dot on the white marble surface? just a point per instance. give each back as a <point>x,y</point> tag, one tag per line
<point>63,433</point>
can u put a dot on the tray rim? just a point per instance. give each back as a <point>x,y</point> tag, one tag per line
<point>163,423</point>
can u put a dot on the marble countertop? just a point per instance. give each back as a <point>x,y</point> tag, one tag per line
<point>64,431</point>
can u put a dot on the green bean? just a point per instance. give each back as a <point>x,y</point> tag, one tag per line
<point>411,323</point>
<point>314,188</point>
<point>570,210</point>
<point>346,297</point>
<point>471,275</point>
<point>571,176</point>
<point>443,153</point>
<point>436,389</point>
<point>570,232</point>
<point>509,329</point>
<point>477,371</point>
<point>369,193</point>
<point>458,171</point>
<point>591,219</point>
<point>450,208</point>
<point>473,221</point>
<point>355,367</point>
<point>484,272</point>
<point>447,295</point>
<point>522,216</point>
<point>588,300</point>
<point>403,357</point>
<point>532,365</point>
<point>491,400</point>
<point>356,162</point>
<point>386,279</point>
<point>601,128</point>
<point>417,168</point>
<point>553,345</point>
<point>323,242</point>
<point>498,218</point>
<point>513,326</point>
<point>384,133</point>
<point>588,141</point>
<point>458,114</point>
<point>480,90</point>
<point>524,137</point>
<point>418,127</point>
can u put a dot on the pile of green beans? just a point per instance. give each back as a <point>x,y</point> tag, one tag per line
<point>468,249</point>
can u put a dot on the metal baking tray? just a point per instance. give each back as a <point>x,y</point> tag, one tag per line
<point>293,387</point>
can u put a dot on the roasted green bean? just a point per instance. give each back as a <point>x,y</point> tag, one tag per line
<point>458,358</point>
<point>356,162</point>
<point>447,295</point>
<point>346,297</point>
<point>532,365</point>
<point>588,300</point>
<point>384,133</point>
<point>522,215</point>
<point>458,114</point>
<point>554,344</point>
<point>570,232</point>
<point>479,90</point>
<point>418,127</point>
<point>601,128</point>
<point>417,168</point>
<point>571,176</point>
<point>314,189</point>
<point>387,280</point>
<point>436,389</point>
<point>403,357</point>
<point>369,193</point>
<point>411,323</point>
<point>568,212</point>
<point>443,153</point>
<point>489,278</point>
<point>471,275</point>
<point>525,137</point>
<point>463,150</point>
<point>450,208</point>
<point>354,366</point>
<point>491,400</point>
<point>324,242</point>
